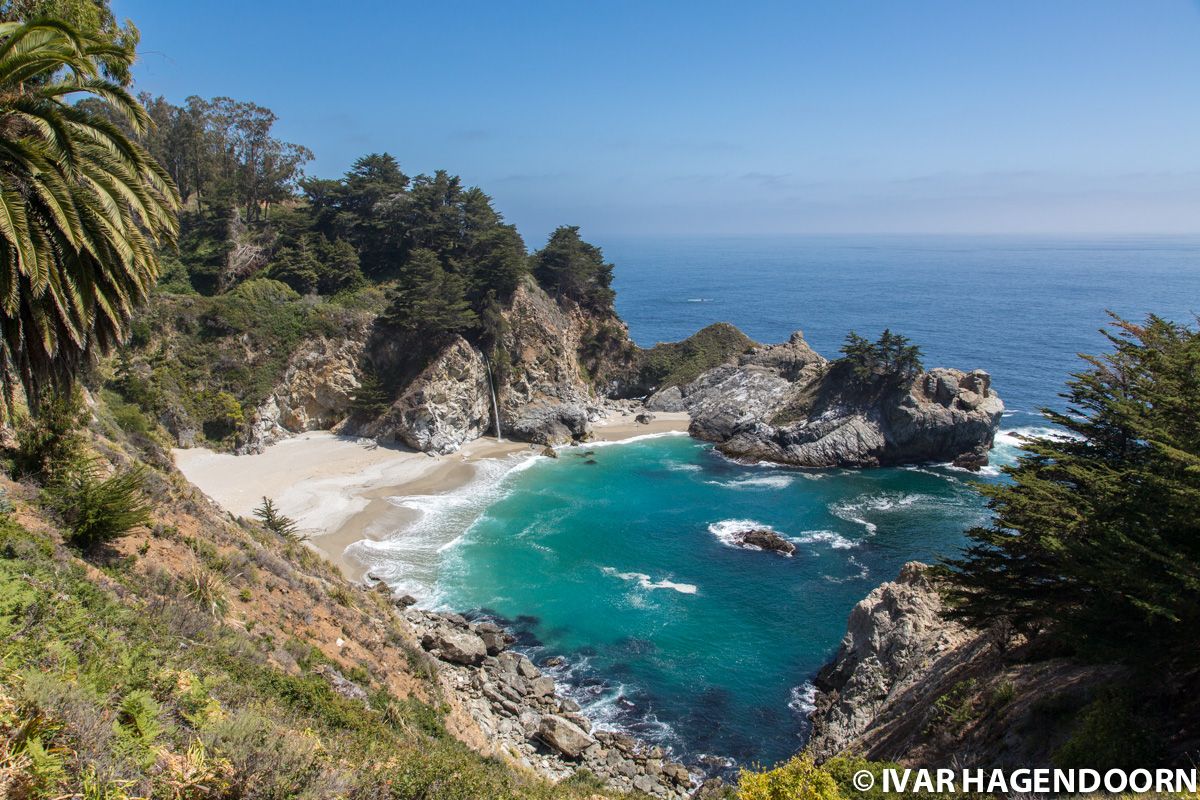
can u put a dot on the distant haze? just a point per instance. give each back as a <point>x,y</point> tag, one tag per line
<point>988,116</point>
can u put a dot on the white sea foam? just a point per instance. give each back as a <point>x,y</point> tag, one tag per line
<point>727,529</point>
<point>860,508</point>
<point>674,466</point>
<point>803,698</point>
<point>863,572</point>
<point>646,582</point>
<point>756,482</point>
<point>630,440</point>
<point>834,540</point>
<point>407,558</point>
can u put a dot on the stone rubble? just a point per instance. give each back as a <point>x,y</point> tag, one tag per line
<point>518,708</point>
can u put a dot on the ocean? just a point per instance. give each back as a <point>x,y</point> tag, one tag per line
<point>617,557</point>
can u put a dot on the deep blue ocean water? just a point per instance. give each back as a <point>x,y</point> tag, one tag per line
<point>623,567</point>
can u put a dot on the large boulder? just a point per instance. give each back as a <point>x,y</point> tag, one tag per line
<point>564,736</point>
<point>455,646</point>
<point>768,540</point>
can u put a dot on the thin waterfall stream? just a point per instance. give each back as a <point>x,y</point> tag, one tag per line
<point>495,406</point>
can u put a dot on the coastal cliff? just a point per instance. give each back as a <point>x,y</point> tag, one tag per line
<point>787,404</point>
<point>546,367</point>
<point>908,685</point>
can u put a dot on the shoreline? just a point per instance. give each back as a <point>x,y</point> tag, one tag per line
<point>336,488</point>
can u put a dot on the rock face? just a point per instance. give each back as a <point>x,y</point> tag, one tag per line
<point>524,718</point>
<point>542,391</point>
<point>785,403</point>
<point>908,685</point>
<point>315,393</point>
<point>447,404</point>
<point>544,395</point>
<point>891,637</point>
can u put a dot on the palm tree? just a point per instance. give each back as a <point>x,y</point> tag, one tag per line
<point>83,207</point>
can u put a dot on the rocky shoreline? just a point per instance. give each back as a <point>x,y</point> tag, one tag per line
<point>520,712</point>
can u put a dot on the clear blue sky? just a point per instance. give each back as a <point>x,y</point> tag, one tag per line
<point>692,117</point>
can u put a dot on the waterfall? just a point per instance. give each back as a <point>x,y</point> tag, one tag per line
<point>495,406</point>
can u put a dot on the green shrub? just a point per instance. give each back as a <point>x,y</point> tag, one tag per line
<point>1109,734</point>
<point>52,440</point>
<point>679,363</point>
<point>954,709</point>
<point>97,509</point>
<point>797,779</point>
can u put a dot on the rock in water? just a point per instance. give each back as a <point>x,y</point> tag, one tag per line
<point>564,736</point>
<point>767,540</point>
<point>785,403</point>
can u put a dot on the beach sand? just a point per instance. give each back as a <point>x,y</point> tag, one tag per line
<point>337,487</point>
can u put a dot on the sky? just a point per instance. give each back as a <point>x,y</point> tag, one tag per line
<point>691,118</point>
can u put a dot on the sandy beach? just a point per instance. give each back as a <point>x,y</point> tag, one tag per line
<point>337,487</point>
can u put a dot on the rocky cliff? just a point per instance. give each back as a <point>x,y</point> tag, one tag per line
<point>787,404</point>
<point>316,391</point>
<point>547,366</point>
<point>907,685</point>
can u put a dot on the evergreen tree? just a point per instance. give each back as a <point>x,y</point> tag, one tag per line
<point>1097,536</point>
<point>891,356</point>
<point>430,299</point>
<point>569,266</point>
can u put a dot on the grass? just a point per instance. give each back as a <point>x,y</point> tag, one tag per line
<point>680,363</point>
<point>137,692</point>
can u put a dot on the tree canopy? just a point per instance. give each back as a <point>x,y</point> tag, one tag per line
<point>1097,534</point>
<point>890,356</point>
<point>569,266</point>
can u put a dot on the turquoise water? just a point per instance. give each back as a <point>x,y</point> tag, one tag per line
<point>617,558</point>
<point>619,565</point>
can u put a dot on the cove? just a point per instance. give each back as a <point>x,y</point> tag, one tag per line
<point>617,558</point>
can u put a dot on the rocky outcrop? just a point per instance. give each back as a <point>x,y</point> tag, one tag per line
<point>908,685</point>
<point>544,394</point>
<point>785,403</point>
<point>446,405</point>
<point>524,718</point>
<point>315,392</point>
<point>764,539</point>
<point>892,637</point>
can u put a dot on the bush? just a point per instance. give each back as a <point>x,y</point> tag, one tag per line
<point>96,509</point>
<point>798,779</point>
<point>1110,734</point>
<point>51,440</point>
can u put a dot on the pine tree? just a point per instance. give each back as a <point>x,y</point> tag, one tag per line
<point>1097,536</point>
<point>277,523</point>
<point>430,299</point>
